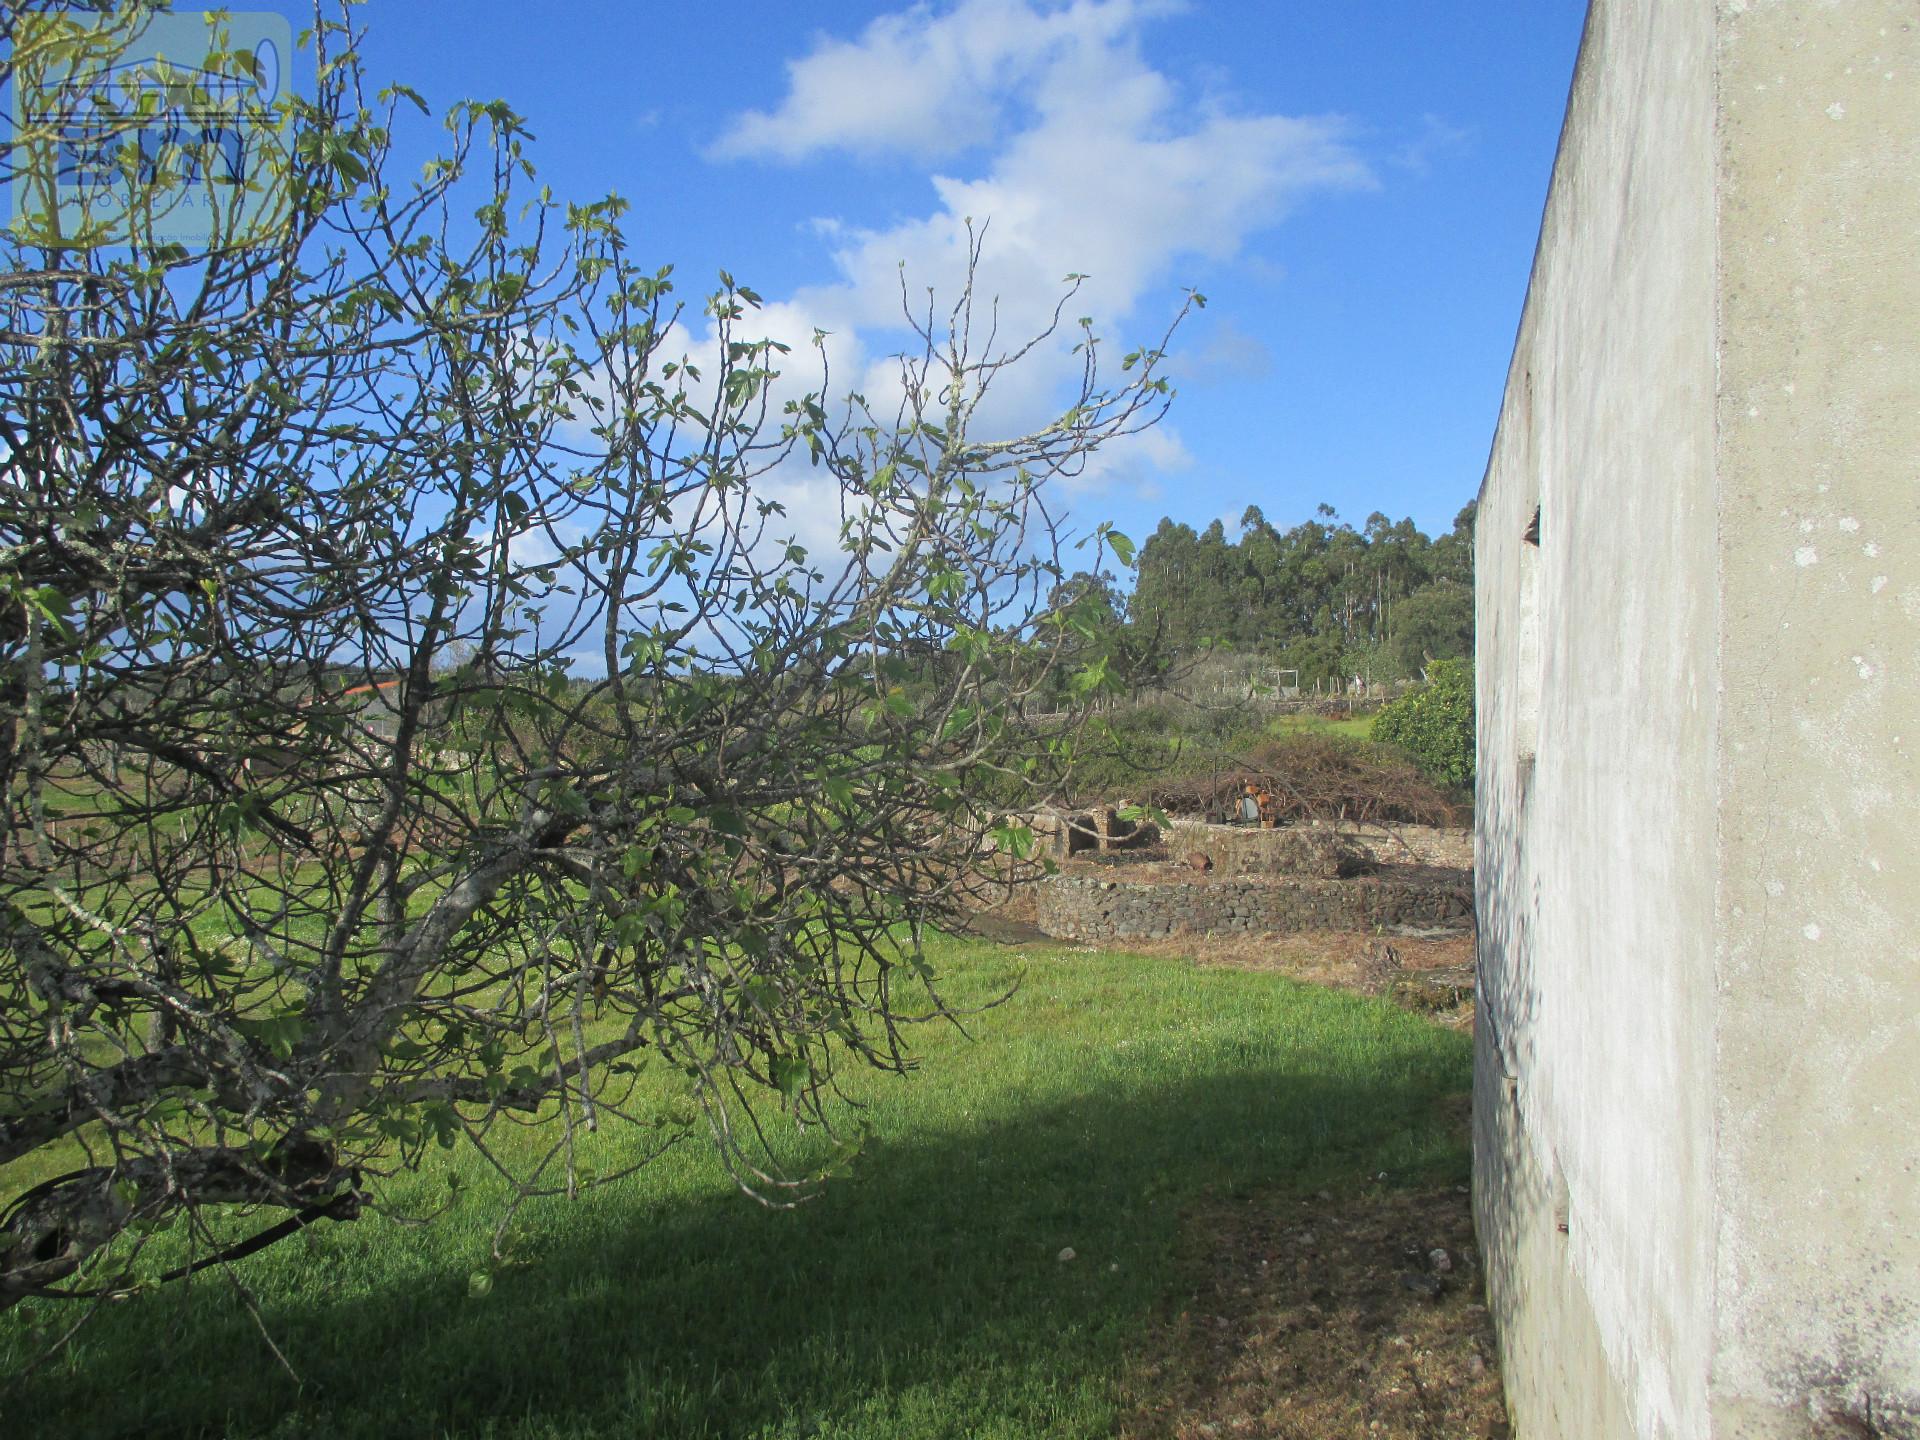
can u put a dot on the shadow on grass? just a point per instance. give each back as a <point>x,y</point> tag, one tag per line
<point>923,1295</point>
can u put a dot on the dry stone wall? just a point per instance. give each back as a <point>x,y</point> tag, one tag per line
<point>1306,852</point>
<point>1086,907</point>
<point>1250,850</point>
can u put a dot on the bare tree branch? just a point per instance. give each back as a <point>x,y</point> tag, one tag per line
<point>412,707</point>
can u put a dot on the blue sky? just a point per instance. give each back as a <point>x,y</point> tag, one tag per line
<point>1355,184</point>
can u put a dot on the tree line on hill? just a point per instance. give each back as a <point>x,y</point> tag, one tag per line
<point>1382,601</point>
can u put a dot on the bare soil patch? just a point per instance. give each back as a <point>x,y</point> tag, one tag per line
<point>1358,1315</point>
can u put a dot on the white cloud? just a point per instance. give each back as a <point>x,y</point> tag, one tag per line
<point>1226,352</point>
<point>1086,158</point>
<point>1136,465</point>
<point>1436,140</point>
<point>924,84</point>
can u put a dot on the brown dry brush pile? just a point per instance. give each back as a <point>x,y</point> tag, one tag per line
<point>1314,777</point>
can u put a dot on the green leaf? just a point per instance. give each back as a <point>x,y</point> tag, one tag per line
<point>348,164</point>
<point>792,1074</point>
<point>1017,840</point>
<point>278,1033</point>
<point>410,93</point>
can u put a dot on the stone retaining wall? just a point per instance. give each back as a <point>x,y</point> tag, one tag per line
<point>1249,850</point>
<point>1085,907</point>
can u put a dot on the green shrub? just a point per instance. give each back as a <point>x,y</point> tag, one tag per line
<point>1434,724</point>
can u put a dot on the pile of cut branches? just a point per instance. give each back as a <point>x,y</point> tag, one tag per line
<point>1314,777</point>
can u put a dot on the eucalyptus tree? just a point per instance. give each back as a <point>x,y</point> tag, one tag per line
<point>418,713</point>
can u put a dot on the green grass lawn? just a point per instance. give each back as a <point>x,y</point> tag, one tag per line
<point>1358,727</point>
<point>919,1296</point>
